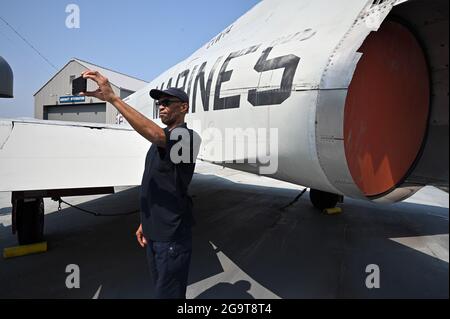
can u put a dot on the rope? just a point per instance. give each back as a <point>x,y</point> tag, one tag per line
<point>295,199</point>
<point>58,199</point>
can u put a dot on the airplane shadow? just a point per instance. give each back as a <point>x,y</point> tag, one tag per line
<point>295,253</point>
<point>223,290</point>
<point>301,253</point>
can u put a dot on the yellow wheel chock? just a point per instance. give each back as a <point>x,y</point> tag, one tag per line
<point>25,250</point>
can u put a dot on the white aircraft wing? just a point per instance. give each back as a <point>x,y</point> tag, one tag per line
<point>44,155</point>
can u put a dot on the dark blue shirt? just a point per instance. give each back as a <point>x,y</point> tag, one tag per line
<point>166,207</point>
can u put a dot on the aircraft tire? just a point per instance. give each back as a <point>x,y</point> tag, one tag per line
<point>30,221</point>
<point>323,200</point>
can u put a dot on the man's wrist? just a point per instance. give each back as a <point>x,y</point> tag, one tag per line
<point>114,99</point>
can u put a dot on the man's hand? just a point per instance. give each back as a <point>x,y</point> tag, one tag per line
<point>144,126</point>
<point>104,91</point>
<point>140,237</point>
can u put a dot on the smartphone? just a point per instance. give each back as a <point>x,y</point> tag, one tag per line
<point>79,85</point>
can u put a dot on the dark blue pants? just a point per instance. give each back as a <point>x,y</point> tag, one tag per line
<point>169,267</point>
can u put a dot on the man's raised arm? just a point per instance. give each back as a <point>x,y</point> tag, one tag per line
<point>144,126</point>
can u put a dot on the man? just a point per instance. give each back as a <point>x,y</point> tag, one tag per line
<point>166,207</point>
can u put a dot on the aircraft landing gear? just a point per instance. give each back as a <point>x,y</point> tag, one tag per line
<point>323,200</point>
<point>28,210</point>
<point>29,214</point>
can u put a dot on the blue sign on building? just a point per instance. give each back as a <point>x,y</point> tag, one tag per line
<point>72,99</point>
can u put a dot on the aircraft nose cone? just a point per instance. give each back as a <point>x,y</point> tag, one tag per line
<point>6,79</point>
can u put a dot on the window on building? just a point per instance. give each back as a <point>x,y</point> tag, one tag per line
<point>71,78</point>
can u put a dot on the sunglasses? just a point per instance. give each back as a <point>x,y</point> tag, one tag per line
<point>166,102</point>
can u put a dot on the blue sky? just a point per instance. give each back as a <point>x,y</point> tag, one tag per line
<point>141,38</point>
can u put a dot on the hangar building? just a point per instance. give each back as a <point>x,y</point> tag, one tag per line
<point>54,101</point>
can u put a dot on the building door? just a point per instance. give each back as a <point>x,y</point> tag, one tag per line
<point>91,113</point>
